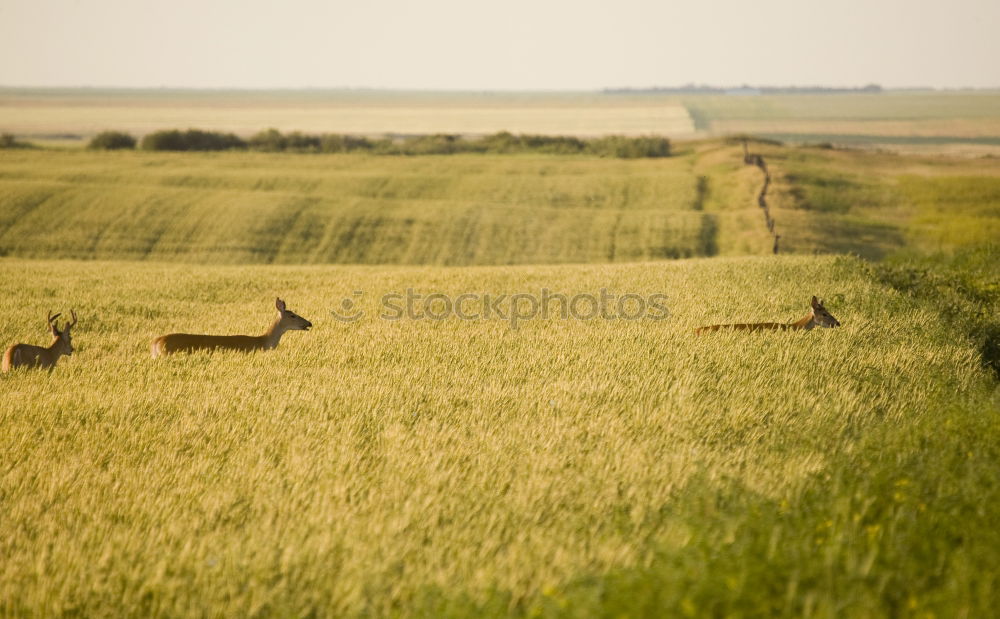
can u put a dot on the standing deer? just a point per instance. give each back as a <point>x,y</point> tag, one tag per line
<point>28,356</point>
<point>817,317</point>
<point>185,342</point>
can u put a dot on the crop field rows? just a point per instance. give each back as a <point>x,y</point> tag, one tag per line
<point>251,207</point>
<point>484,209</point>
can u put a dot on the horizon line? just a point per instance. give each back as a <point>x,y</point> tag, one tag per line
<point>680,89</point>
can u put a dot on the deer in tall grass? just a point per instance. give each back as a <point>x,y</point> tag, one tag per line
<point>185,342</point>
<point>29,356</point>
<point>816,317</point>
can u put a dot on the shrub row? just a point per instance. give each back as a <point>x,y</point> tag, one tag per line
<point>273,140</point>
<point>8,140</point>
<point>192,139</point>
<point>111,140</point>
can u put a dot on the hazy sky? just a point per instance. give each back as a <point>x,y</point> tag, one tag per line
<point>499,44</point>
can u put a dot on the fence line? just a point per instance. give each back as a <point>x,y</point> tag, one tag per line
<point>758,161</point>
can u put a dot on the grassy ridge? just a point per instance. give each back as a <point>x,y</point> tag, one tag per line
<point>457,467</point>
<point>877,205</point>
<point>462,209</point>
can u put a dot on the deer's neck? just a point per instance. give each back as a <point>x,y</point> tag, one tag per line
<point>807,322</point>
<point>273,334</point>
<point>55,349</point>
<point>50,355</point>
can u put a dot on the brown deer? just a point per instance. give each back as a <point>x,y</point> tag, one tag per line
<point>185,342</point>
<point>28,356</point>
<point>817,317</point>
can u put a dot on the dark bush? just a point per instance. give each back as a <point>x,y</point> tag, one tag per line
<point>553,144</point>
<point>7,140</point>
<point>112,140</point>
<point>192,139</point>
<point>164,140</point>
<point>439,144</point>
<point>270,141</point>
<point>629,148</point>
<point>334,143</point>
<point>302,142</point>
<point>505,142</point>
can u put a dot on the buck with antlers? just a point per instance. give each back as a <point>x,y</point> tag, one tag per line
<point>817,317</point>
<point>26,355</point>
<point>185,342</point>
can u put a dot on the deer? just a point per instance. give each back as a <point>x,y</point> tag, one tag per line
<point>186,342</point>
<point>29,356</point>
<point>816,317</point>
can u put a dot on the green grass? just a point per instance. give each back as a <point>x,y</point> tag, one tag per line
<point>953,211</point>
<point>563,468</point>
<point>877,205</point>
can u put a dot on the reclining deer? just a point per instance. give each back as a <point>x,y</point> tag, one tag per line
<point>816,317</point>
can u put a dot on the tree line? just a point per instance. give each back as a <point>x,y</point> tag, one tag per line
<point>272,140</point>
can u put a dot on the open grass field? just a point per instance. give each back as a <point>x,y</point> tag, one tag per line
<point>563,468</point>
<point>491,466</point>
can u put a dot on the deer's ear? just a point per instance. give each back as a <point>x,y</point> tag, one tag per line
<point>55,329</point>
<point>816,302</point>
<point>279,305</point>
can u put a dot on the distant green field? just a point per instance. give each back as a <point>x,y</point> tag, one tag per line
<point>484,209</point>
<point>721,113</point>
<point>466,468</point>
<point>283,208</point>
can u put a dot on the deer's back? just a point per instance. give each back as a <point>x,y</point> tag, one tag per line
<point>22,355</point>
<point>754,326</point>
<point>187,342</point>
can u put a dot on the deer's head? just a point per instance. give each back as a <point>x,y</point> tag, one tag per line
<point>289,320</point>
<point>822,317</point>
<point>63,339</point>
